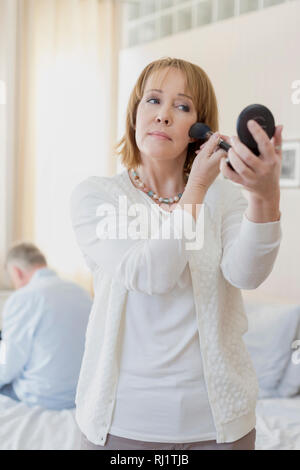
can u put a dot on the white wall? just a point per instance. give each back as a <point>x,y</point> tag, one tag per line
<point>8,37</point>
<point>253,58</point>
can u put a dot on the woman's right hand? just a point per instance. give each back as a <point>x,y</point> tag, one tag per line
<point>206,166</point>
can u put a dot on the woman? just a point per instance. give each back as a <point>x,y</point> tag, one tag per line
<point>165,366</point>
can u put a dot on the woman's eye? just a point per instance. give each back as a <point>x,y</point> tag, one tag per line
<point>184,107</point>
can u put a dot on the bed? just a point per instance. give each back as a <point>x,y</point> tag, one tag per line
<point>272,330</point>
<point>23,428</point>
<point>278,424</point>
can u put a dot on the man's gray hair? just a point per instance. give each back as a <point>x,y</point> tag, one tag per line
<point>25,255</point>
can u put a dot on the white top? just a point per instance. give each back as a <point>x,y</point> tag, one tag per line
<point>237,254</point>
<point>161,394</point>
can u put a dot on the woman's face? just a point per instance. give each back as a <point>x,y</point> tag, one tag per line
<point>167,109</point>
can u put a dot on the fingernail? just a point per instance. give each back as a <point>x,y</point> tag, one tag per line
<point>251,123</point>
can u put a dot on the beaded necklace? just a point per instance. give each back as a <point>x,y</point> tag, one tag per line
<point>155,197</point>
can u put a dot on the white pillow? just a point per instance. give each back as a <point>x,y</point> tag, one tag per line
<point>290,382</point>
<point>272,328</point>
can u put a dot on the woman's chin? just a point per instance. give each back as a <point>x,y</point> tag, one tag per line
<point>158,152</point>
<point>157,156</point>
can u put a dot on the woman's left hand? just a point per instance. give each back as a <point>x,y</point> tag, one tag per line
<point>259,175</point>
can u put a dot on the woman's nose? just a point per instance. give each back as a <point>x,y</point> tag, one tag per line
<point>162,119</point>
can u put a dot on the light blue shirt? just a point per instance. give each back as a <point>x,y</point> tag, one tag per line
<point>44,326</point>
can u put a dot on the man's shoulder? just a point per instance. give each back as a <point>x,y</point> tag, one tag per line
<point>21,294</point>
<point>72,287</point>
<point>36,298</point>
<point>22,299</point>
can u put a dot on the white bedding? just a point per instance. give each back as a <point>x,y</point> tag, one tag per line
<point>278,424</point>
<point>23,428</point>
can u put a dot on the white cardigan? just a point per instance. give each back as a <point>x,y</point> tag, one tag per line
<point>119,265</point>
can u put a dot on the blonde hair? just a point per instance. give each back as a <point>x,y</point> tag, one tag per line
<point>25,255</point>
<point>199,86</point>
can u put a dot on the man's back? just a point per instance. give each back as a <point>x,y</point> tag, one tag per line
<point>44,325</point>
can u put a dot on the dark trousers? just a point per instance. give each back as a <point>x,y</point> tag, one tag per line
<point>247,442</point>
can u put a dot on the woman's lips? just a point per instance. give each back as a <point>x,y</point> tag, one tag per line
<point>158,136</point>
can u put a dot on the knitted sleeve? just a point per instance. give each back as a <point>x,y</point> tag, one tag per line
<point>249,249</point>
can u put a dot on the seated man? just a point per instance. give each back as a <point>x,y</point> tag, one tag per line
<point>43,332</point>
